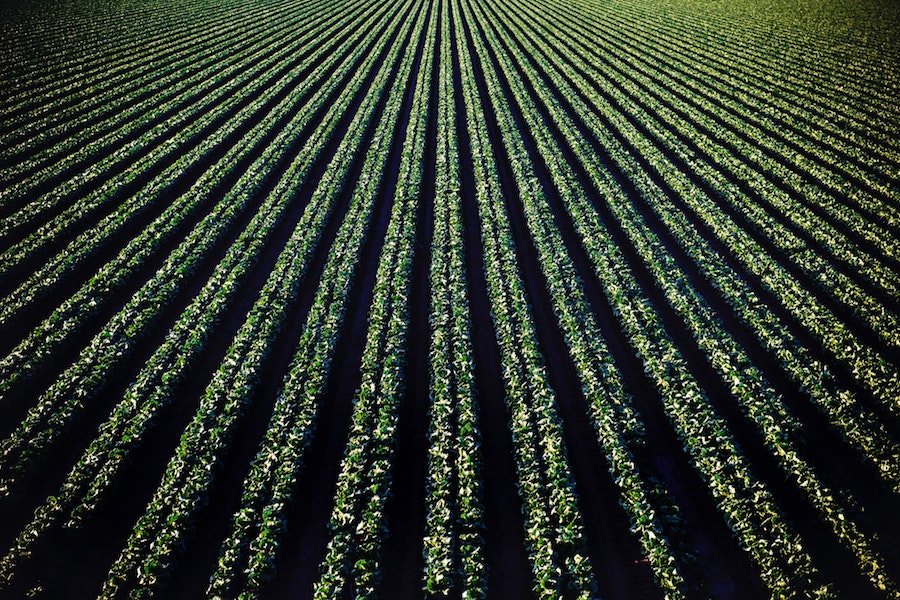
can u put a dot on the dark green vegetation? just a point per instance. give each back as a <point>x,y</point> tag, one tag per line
<point>450,298</point>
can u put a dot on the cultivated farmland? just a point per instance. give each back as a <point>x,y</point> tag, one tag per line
<point>494,299</point>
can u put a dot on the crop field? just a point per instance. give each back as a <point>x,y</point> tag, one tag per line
<point>496,299</point>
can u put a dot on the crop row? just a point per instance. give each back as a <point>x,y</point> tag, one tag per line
<point>191,472</point>
<point>809,81</point>
<point>688,407</point>
<point>554,531</point>
<point>839,337</point>
<point>781,431</point>
<point>253,123</point>
<point>748,85</point>
<point>862,428</point>
<point>815,198</point>
<point>53,72</point>
<point>97,193</point>
<point>824,162</point>
<point>617,424</point>
<point>358,523</point>
<point>111,345</point>
<point>77,135</point>
<point>746,110</point>
<point>60,108</point>
<point>152,390</point>
<point>453,543</point>
<point>660,322</point>
<point>765,48</point>
<point>268,489</point>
